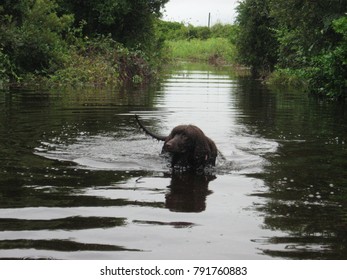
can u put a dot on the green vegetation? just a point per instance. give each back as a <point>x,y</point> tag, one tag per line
<point>102,61</point>
<point>76,42</point>
<point>214,45</point>
<point>172,31</point>
<point>64,42</point>
<point>214,50</point>
<point>296,42</point>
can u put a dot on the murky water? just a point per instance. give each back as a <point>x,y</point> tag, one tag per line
<point>80,180</point>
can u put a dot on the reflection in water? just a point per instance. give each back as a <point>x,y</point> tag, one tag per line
<point>306,176</point>
<point>188,192</point>
<point>80,180</point>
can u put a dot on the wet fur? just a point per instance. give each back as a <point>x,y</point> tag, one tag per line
<point>188,147</point>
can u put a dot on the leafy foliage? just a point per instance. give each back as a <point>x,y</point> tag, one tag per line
<point>256,42</point>
<point>101,62</point>
<point>129,22</point>
<point>304,39</point>
<point>328,71</point>
<point>214,45</point>
<point>31,34</point>
<point>172,31</point>
<point>6,67</point>
<point>76,42</point>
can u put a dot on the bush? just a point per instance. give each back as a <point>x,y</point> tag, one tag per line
<point>6,68</point>
<point>256,42</point>
<point>82,70</point>
<point>40,39</point>
<point>328,74</point>
<point>288,77</point>
<point>225,31</point>
<point>173,31</point>
<point>101,62</point>
<point>34,40</point>
<point>327,71</point>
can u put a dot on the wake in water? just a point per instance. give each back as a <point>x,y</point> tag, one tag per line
<point>107,153</point>
<point>139,153</point>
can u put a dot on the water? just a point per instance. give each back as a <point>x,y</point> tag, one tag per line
<point>80,180</point>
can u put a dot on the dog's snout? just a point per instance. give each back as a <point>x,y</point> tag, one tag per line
<point>168,146</point>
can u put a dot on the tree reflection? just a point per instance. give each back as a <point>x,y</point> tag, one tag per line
<point>305,196</point>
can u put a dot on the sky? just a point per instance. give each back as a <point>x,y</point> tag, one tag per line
<point>196,12</point>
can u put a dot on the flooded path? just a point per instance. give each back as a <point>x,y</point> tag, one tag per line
<point>80,180</point>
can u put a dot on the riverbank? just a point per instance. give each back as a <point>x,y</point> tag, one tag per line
<point>275,41</point>
<point>103,62</point>
<point>58,43</point>
<point>49,45</point>
<point>97,63</point>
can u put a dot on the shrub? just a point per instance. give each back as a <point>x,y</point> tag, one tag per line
<point>34,38</point>
<point>101,62</point>
<point>83,70</point>
<point>288,77</point>
<point>7,69</point>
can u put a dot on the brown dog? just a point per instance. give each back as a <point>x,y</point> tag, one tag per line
<point>188,146</point>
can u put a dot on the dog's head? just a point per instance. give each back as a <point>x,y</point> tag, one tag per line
<point>187,145</point>
<point>180,140</point>
<point>190,141</point>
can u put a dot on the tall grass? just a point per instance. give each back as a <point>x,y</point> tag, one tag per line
<point>213,50</point>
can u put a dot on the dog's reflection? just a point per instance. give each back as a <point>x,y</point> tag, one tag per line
<point>188,192</point>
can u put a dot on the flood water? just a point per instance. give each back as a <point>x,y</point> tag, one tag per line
<point>80,180</point>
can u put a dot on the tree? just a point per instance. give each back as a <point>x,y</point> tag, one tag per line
<point>31,34</point>
<point>311,37</point>
<point>128,21</point>
<point>256,42</point>
<point>304,28</point>
<point>303,38</point>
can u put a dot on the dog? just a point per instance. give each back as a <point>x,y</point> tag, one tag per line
<point>187,145</point>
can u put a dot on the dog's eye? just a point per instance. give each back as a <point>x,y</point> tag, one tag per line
<point>184,136</point>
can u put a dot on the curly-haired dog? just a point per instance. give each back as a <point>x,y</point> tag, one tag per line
<point>188,146</point>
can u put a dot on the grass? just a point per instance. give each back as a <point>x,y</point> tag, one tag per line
<point>213,50</point>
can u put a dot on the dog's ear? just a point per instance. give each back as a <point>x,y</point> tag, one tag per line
<point>202,150</point>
